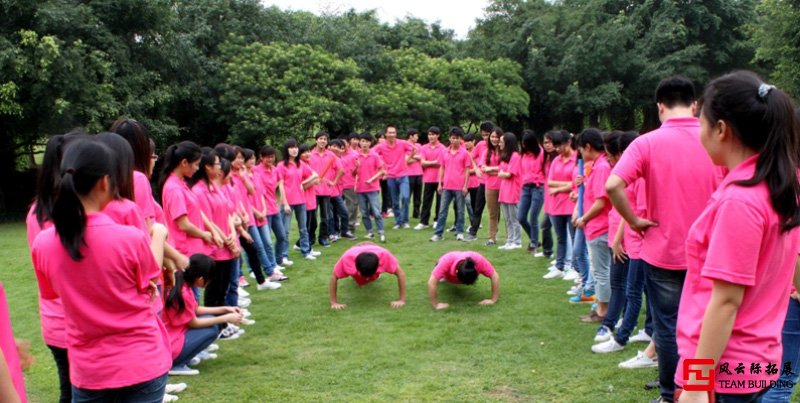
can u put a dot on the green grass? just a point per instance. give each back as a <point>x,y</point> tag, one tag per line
<point>529,347</point>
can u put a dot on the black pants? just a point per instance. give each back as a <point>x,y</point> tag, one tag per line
<point>475,218</point>
<point>415,187</point>
<point>430,189</point>
<point>252,260</point>
<point>478,207</point>
<point>217,287</point>
<point>386,198</point>
<point>311,226</point>
<point>62,366</point>
<point>547,235</point>
<point>323,206</point>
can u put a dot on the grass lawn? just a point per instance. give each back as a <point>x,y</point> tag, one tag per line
<point>529,347</point>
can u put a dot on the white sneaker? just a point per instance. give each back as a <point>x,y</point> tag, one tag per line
<point>268,285</point>
<point>575,290</point>
<point>310,257</point>
<point>169,398</point>
<point>640,361</point>
<point>184,370</point>
<point>459,237</point>
<point>640,337</point>
<point>553,274</point>
<point>603,334</point>
<point>369,235</point>
<point>175,388</point>
<point>504,247</point>
<point>609,346</point>
<point>212,347</point>
<point>514,246</point>
<point>421,226</point>
<point>315,253</point>
<point>295,247</point>
<point>279,268</point>
<point>287,263</point>
<point>571,275</point>
<point>552,267</point>
<point>396,227</point>
<point>539,254</point>
<point>406,226</point>
<point>243,293</point>
<point>382,238</point>
<point>247,322</point>
<point>252,275</point>
<point>436,238</point>
<point>552,262</point>
<point>245,313</point>
<point>205,355</point>
<point>229,333</point>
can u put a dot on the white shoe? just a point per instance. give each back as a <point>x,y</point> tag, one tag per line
<point>184,370</point>
<point>369,235</point>
<point>603,334</point>
<point>212,347</point>
<point>640,337</point>
<point>575,290</point>
<point>436,238</point>
<point>169,398</point>
<point>244,303</point>
<point>552,267</point>
<point>247,322</point>
<point>268,285</point>
<point>553,274</point>
<point>640,361</point>
<point>310,257</point>
<point>243,293</point>
<point>396,227</point>
<point>315,253</point>
<point>514,246</point>
<point>406,226</point>
<point>459,237</point>
<point>229,333</point>
<point>504,247</point>
<point>287,263</point>
<point>252,275</point>
<point>539,254</point>
<point>279,268</point>
<point>571,275</point>
<point>205,355</point>
<point>609,346</point>
<point>295,247</point>
<point>552,262</point>
<point>245,313</point>
<point>175,388</point>
<point>421,226</point>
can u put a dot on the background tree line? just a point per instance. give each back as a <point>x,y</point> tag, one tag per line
<point>217,70</point>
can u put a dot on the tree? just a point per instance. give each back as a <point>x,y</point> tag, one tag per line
<point>777,37</point>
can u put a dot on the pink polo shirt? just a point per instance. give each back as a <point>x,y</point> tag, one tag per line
<point>474,180</point>
<point>492,182</point>
<point>324,164</point>
<point>143,195</point>
<point>394,157</point>
<point>292,177</point>
<point>446,267</point>
<point>51,311</point>
<point>561,170</point>
<point>243,198</point>
<point>737,239</point>
<point>455,165</point>
<point>532,170</point>
<point>430,174</point>
<point>368,166</point>
<point>114,337</point>
<point>415,168</point>
<point>346,266</point>
<point>215,206</point>
<point>177,323</point>
<point>348,180</point>
<point>310,194</point>
<point>126,212</point>
<point>179,201</point>
<point>9,348</point>
<point>257,199</point>
<point>336,190</point>
<point>638,199</point>
<point>679,179</point>
<point>269,182</point>
<point>511,188</point>
<point>595,189</point>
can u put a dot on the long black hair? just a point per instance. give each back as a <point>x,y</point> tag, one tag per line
<point>530,143</point>
<point>762,117</point>
<point>185,150</point>
<point>511,146</point>
<point>490,149</point>
<point>137,136</point>
<point>208,157</point>
<point>123,158</point>
<point>290,143</point>
<point>200,266</point>
<point>592,137</point>
<point>85,163</point>
<point>50,174</point>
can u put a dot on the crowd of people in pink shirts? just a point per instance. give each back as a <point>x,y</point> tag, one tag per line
<point>699,215</point>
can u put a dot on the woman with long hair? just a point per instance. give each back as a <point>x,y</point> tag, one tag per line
<point>491,167</point>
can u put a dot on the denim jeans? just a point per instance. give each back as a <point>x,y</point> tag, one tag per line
<point>791,354</point>
<point>275,223</point>
<point>400,193</point>
<point>664,289</point>
<point>338,216</point>
<point>619,280</point>
<point>62,366</point>
<point>547,236</point>
<point>151,391</point>
<point>269,252</point>
<point>580,260</point>
<point>530,204</point>
<point>370,206</point>
<point>447,197</point>
<point>633,303</point>
<point>264,255</point>
<point>195,341</point>
<point>300,215</point>
<point>600,256</point>
<point>232,294</point>
<point>565,231</point>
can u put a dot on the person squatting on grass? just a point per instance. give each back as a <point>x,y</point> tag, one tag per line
<point>366,262</point>
<point>462,268</point>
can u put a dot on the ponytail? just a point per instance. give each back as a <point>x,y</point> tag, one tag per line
<point>50,175</point>
<point>466,271</point>
<point>200,266</point>
<point>762,117</point>
<point>185,150</point>
<point>85,163</point>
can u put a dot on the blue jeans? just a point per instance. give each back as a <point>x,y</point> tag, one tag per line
<point>633,303</point>
<point>618,301</point>
<point>151,391</point>
<point>232,295</point>
<point>337,216</point>
<point>400,193</point>
<point>275,222</point>
<point>269,253</point>
<point>530,204</point>
<point>195,341</point>
<point>264,253</point>
<point>370,205</point>
<point>664,289</point>
<point>580,260</point>
<point>447,197</point>
<point>791,354</point>
<point>300,215</point>
<point>755,397</point>
<point>564,234</point>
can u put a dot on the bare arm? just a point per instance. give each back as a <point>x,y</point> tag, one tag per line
<point>615,187</point>
<point>7,391</point>
<point>217,320</point>
<point>401,285</point>
<point>433,284</point>
<point>190,229</point>
<point>333,297</point>
<point>495,290</point>
<point>158,239</point>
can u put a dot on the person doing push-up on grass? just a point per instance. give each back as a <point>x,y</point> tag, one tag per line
<point>364,263</point>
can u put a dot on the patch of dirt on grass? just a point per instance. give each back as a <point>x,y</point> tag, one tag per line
<point>506,393</point>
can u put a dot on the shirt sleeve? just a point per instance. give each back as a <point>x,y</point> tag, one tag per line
<point>599,182</point>
<point>440,269</point>
<point>483,265</point>
<point>632,164</point>
<point>339,270</point>
<point>145,267</point>
<point>143,196</point>
<point>387,263</point>
<point>175,204</point>
<point>45,288</point>
<point>734,241</point>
